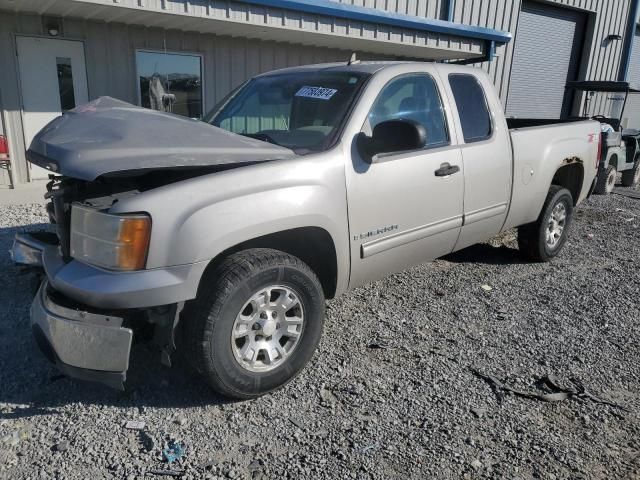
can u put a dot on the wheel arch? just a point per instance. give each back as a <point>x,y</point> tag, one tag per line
<point>313,245</point>
<point>570,176</point>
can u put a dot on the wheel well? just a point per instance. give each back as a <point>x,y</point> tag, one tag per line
<point>570,176</point>
<point>614,160</point>
<point>313,245</point>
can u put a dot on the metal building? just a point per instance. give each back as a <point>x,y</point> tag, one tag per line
<point>186,55</point>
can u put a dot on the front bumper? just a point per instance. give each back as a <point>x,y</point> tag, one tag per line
<point>102,288</point>
<point>83,344</point>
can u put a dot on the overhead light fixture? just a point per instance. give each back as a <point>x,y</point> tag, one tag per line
<point>53,26</point>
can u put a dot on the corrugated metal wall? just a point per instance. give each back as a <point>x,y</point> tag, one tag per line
<point>228,61</point>
<point>631,116</point>
<point>111,69</point>
<point>419,8</point>
<point>606,17</point>
<point>602,56</point>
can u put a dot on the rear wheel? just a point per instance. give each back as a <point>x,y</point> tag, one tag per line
<point>543,239</point>
<point>631,177</point>
<point>255,323</point>
<point>606,181</point>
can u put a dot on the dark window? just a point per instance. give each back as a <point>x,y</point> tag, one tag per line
<point>412,97</point>
<point>170,82</point>
<point>472,107</point>
<point>65,84</point>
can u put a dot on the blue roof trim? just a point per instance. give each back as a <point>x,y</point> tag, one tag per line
<point>364,14</point>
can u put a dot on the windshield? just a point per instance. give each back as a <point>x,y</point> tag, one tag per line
<point>302,111</point>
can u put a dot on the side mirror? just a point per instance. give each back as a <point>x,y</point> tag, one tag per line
<point>393,136</point>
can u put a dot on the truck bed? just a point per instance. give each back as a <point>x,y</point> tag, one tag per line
<point>538,122</point>
<point>538,152</point>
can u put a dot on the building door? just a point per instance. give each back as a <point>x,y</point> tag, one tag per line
<point>53,79</point>
<point>547,53</point>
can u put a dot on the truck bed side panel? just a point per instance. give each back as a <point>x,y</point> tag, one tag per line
<point>538,153</point>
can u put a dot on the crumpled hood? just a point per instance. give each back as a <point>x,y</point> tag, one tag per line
<point>107,136</point>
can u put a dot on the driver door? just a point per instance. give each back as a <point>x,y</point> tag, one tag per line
<point>400,212</point>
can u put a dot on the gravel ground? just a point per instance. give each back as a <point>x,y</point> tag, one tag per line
<point>391,392</point>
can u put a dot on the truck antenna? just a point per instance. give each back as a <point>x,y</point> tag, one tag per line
<point>353,60</point>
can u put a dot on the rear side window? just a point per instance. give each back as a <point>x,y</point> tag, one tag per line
<point>472,107</point>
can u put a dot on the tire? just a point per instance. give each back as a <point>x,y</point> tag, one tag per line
<point>631,177</point>
<point>232,298</point>
<point>532,238</point>
<point>606,181</point>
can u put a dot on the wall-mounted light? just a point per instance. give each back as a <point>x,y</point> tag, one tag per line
<point>53,26</point>
<point>614,36</point>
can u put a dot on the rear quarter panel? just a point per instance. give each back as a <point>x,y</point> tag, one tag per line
<point>538,153</point>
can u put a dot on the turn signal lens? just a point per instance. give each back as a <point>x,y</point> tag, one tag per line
<point>115,242</point>
<point>135,233</point>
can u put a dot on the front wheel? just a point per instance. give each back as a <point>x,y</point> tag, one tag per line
<point>543,239</point>
<point>255,323</point>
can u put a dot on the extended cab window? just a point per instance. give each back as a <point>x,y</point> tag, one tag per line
<point>303,111</point>
<point>412,97</point>
<point>472,107</point>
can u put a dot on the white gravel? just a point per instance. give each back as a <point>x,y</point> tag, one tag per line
<point>412,409</point>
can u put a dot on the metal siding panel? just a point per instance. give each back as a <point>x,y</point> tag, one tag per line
<point>539,73</point>
<point>631,116</point>
<point>10,90</point>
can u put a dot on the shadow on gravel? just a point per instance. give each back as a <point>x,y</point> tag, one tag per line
<point>149,384</point>
<point>29,380</point>
<point>487,254</point>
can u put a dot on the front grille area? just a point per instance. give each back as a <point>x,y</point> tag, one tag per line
<point>59,191</point>
<point>63,191</point>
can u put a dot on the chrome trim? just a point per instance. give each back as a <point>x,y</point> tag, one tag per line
<point>484,213</point>
<point>402,238</point>
<point>80,338</point>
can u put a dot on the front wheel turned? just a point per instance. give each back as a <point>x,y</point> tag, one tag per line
<point>255,323</point>
<point>543,239</point>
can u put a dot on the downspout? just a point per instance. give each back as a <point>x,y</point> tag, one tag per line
<point>623,73</point>
<point>489,45</point>
<point>449,9</point>
<point>489,53</point>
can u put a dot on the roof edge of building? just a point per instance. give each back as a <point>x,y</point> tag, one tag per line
<point>383,17</point>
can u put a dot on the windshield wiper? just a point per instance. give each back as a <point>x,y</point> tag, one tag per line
<point>263,137</point>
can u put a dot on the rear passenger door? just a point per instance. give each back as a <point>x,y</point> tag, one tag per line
<point>400,212</point>
<point>486,154</point>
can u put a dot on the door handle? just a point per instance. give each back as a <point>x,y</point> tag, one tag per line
<point>446,170</point>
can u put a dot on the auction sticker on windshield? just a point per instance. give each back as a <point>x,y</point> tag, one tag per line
<point>321,93</point>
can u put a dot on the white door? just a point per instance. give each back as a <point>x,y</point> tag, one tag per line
<point>53,79</point>
<point>406,209</point>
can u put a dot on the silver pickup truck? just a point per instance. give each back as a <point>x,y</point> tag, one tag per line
<point>223,238</point>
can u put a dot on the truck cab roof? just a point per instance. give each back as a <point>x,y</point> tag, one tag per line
<point>356,67</point>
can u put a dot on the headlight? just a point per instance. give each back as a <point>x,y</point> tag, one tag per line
<point>117,242</point>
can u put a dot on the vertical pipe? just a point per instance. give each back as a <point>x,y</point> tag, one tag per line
<point>623,73</point>
<point>450,10</point>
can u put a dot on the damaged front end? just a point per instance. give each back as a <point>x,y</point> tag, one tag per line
<point>85,318</point>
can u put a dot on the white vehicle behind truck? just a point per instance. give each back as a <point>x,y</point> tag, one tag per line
<point>302,184</point>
